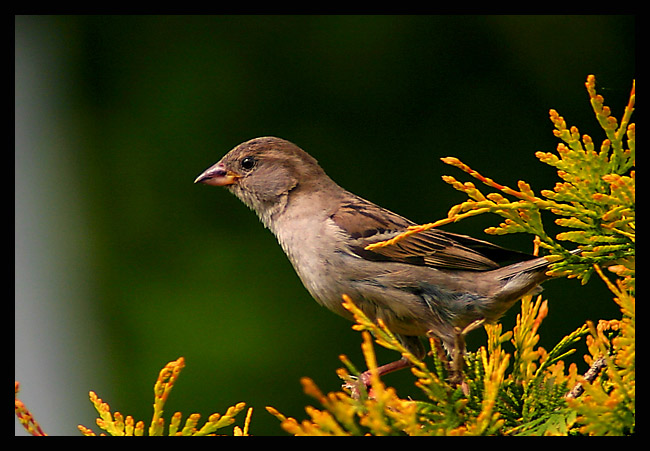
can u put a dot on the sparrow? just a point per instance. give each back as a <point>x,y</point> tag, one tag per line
<point>431,283</point>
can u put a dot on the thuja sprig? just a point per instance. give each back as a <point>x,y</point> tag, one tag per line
<point>595,200</point>
<point>117,424</point>
<point>605,400</point>
<point>25,416</point>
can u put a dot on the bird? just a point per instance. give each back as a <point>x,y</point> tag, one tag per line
<point>432,283</point>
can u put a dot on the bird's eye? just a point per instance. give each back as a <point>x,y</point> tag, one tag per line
<point>247,163</point>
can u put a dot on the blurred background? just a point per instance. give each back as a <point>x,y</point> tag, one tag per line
<point>122,264</point>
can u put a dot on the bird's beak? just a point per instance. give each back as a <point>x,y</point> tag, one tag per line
<point>217,175</point>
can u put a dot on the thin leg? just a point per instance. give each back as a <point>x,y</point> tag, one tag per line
<point>457,355</point>
<point>356,387</point>
<point>385,369</point>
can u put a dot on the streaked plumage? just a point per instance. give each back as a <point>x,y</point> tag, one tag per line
<point>429,282</point>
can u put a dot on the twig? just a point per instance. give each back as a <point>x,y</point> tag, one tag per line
<point>589,376</point>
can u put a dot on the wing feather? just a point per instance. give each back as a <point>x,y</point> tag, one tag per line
<point>367,223</point>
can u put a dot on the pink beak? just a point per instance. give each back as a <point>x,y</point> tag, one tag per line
<point>217,175</point>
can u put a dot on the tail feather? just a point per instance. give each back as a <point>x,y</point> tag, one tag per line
<point>520,279</point>
<point>532,265</point>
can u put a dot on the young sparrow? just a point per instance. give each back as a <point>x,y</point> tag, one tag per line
<point>433,282</point>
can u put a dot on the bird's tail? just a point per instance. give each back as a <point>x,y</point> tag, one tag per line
<point>532,265</point>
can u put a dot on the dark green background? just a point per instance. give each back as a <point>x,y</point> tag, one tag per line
<point>176,269</point>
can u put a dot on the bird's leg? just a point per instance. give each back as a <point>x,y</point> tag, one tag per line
<point>457,353</point>
<point>364,380</point>
<point>384,369</point>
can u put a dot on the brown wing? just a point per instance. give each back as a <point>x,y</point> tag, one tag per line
<point>368,223</point>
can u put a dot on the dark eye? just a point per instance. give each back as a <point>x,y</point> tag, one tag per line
<point>248,163</point>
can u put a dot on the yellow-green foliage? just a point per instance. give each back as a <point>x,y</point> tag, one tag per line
<point>526,392</point>
<point>607,406</point>
<point>117,424</point>
<point>489,401</point>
